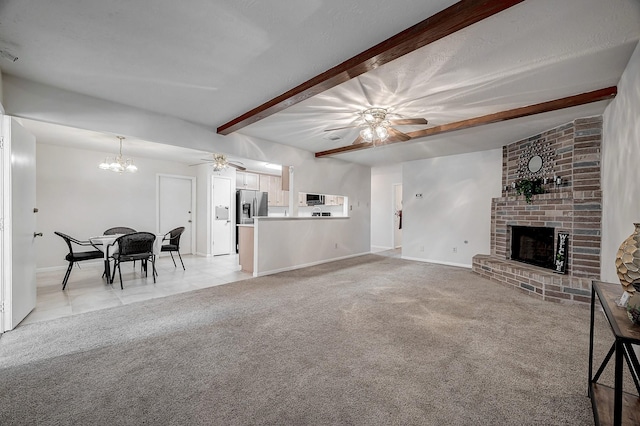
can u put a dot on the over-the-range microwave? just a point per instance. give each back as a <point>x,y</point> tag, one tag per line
<point>315,199</point>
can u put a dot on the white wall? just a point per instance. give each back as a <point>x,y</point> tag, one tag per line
<point>203,212</point>
<point>1,94</point>
<point>382,181</point>
<point>76,198</point>
<point>455,206</point>
<point>620,159</point>
<point>289,243</point>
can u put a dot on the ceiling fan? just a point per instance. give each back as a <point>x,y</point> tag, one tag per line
<point>221,162</point>
<point>376,126</point>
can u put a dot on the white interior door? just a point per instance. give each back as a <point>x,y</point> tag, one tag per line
<point>397,215</point>
<point>223,222</point>
<point>176,207</point>
<point>19,271</point>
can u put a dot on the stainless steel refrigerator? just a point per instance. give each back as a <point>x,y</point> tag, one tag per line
<point>250,204</point>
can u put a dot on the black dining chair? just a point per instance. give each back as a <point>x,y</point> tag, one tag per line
<point>74,256</point>
<point>132,247</point>
<point>173,237</point>
<point>119,230</point>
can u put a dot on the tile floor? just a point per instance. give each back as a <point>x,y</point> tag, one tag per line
<point>87,291</point>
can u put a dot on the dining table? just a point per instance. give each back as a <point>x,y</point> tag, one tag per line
<point>103,242</point>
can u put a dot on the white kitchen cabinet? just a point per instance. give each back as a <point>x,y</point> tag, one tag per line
<point>333,200</point>
<point>275,191</point>
<point>265,184</point>
<point>247,180</point>
<point>273,186</point>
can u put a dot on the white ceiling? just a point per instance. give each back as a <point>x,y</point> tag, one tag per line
<point>209,61</point>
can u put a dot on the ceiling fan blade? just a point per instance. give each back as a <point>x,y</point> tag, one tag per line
<point>408,121</point>
<point>398,135</point>
<point>236,166</point>
<point>358,140</point>
<point>341,128</point>
<point>199,164</point>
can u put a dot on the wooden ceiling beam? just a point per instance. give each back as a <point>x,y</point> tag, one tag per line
<point>448,21</point>
<point>549,106</point>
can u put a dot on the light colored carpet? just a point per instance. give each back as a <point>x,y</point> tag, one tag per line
<point>366,341</point>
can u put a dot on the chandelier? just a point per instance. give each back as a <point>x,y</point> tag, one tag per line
<point>376,125</point>
<point>118,164</point>
<point>220,162</point>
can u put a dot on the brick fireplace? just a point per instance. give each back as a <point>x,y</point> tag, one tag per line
<point>571,152</point>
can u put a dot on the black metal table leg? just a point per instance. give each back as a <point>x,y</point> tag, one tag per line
<point>617,402</point>
<point>593,304</point>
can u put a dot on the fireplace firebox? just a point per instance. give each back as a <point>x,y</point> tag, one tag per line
<point>533,245</point>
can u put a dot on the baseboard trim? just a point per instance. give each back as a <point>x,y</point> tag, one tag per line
<point>305,265</point>
<point>375,249</point>
<point>64,268</point>
<point>439,262</point>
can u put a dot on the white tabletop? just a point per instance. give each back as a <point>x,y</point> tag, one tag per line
<point>102,241</point>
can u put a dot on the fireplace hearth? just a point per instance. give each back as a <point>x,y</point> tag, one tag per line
<point>533,245</point>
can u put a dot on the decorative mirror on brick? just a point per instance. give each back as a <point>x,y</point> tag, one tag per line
<point>535,160</point>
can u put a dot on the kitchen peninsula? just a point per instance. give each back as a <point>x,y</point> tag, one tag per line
<point>277,244</point>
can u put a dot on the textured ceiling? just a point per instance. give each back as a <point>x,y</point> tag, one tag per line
<point>210,61</point>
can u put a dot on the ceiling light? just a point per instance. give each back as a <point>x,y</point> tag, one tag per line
<point>220,162</point>
<point>273,166</point>
<point>376,127</point>
<point>118,164</point>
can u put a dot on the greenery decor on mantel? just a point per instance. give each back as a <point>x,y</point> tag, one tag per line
<point>529,187</point>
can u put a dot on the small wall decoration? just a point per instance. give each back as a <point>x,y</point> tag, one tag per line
<point>561,253</point>
<point>529,188</point>
<point>536,161</point>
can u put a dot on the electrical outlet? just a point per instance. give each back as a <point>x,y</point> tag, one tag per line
<point>455,249</point>
<point>421,248</point>
<point>336,245</point>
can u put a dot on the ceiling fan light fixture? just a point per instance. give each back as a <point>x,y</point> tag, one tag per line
<point>220,162</point>
<point>374,116</point>
<point>367,134</point>
<point>382,133</point>
<point>376,125</point>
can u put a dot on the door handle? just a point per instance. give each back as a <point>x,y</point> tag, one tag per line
<point>37,234</point>
<point>189,221</point>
